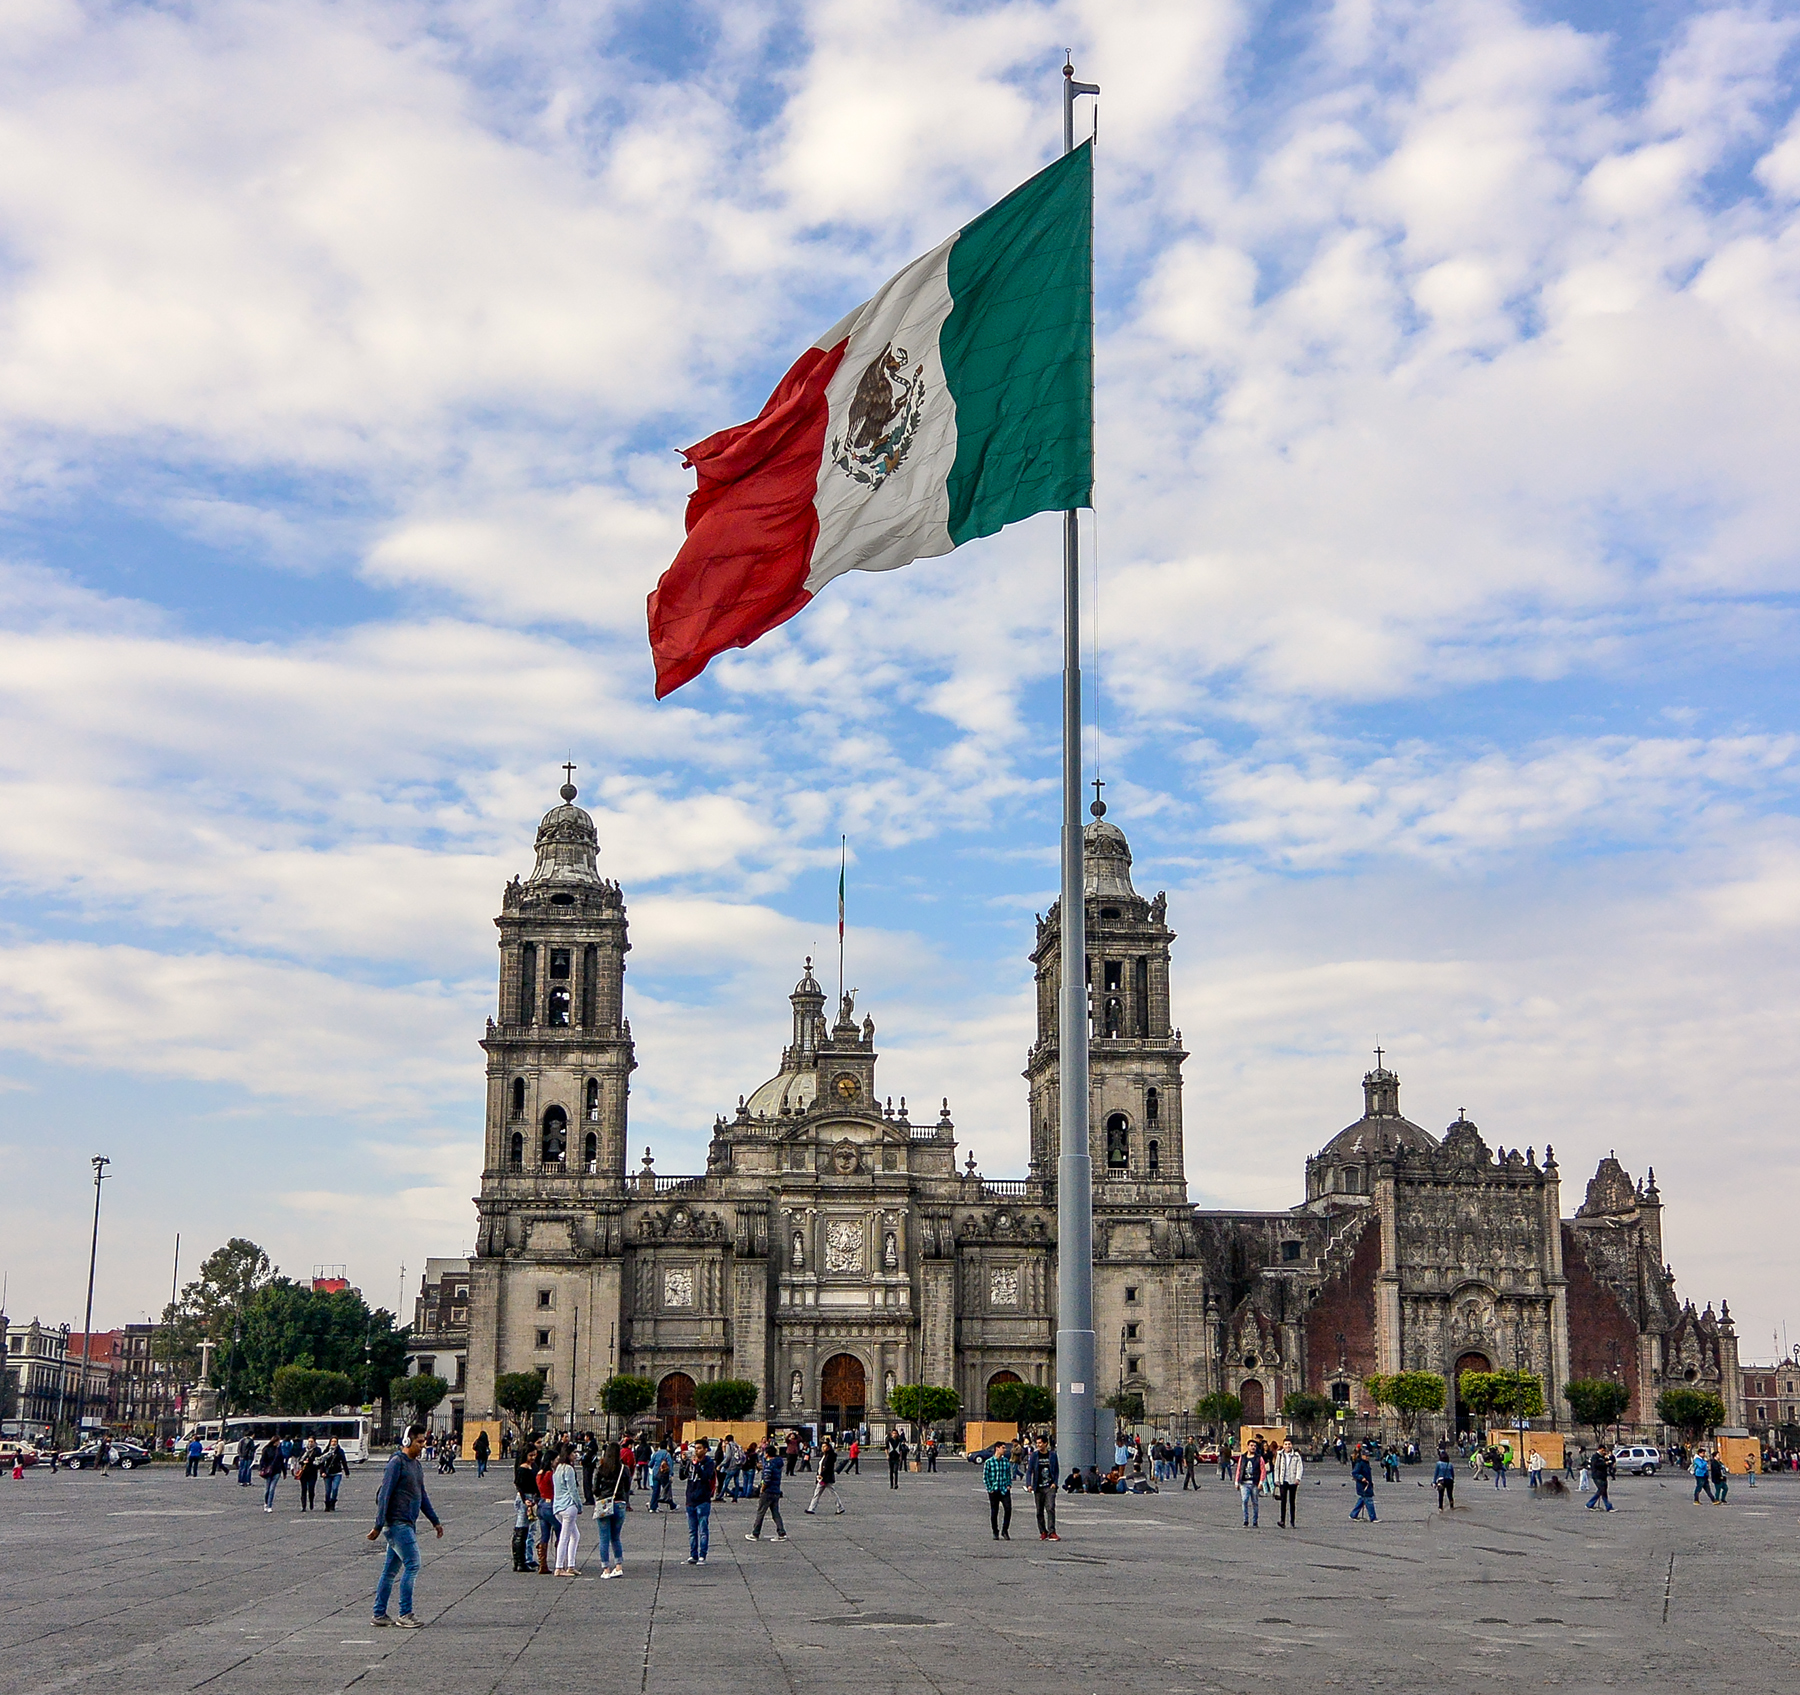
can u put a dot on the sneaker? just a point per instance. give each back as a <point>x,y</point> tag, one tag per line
<point>782,1537</point>
<point>1053,1537</point>
<point>701,1561</point>
<point>407,1622</point>
<point>690,1561</point>
<point>380,1620</point>
<point>753,1537</point>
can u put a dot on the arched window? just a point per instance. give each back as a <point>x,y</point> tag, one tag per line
<point>1113,1014</point>
<point>592,1107</point>
<point>515,1156</point>
<point>518,1101</point>
<point>1151,1107</point>
<point>528,983</point>
<point>590,961</point>
<point>1352,1181</point>
<point>1118,1143</point>
<point>557,1001</point>
<point>1154,1154</point>
<point>556,1136</point>
<point>590,1153</point>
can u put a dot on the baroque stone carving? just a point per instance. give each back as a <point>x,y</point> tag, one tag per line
<point>678,1287</point>
<point>1003,1286</point>
<point>843,1246</point>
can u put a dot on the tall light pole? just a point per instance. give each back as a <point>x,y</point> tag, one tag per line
<point>100,1162</point>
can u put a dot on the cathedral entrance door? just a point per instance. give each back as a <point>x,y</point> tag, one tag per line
<point>994,1383</point>
<point>1250,1392</point>
<point>1465,1419</point>
<point>843,1391</point>
<point>675,1400</point>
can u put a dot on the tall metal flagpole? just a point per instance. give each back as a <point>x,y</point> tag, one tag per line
<point>1075,1384</point>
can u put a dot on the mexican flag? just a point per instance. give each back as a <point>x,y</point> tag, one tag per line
<point>958,400</point>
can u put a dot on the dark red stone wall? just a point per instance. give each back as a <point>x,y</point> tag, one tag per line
<point>1596,1318</point>
<point>1347,1304</point>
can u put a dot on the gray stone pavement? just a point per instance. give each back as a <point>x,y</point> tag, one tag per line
<point>153,1582</point>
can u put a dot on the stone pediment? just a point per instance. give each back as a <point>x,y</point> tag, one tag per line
<point>680,1224</point>
<point>549,1236</point>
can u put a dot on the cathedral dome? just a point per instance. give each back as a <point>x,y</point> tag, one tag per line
<point>1381,1129</point>
<point>1106,861</point>
<point>567,845</point>
<point>797,1089</point>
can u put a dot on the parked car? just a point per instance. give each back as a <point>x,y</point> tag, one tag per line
<point>125,1456</point>
<point>1638,1462</point>
<point>16,1453</point>
<point>1209,1454</point>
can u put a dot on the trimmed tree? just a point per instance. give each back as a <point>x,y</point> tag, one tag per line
<point>421,1393</point>
<point>518,1393</point>
<point>1126,1405</point>
<point>1409,1393</point>
<point>301,1389</point>
<point>1220,1407</point>
<point>926,1403</point>
<point>624,1396</point>
<point>1304,1409</point>
<point>1692,1411</point>
<point>1023,1404</point>
<point>1596,1401</point>
<point>724,1398</point>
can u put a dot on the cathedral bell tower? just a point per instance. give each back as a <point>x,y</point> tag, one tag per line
<point>1134,1055</point>
<point>559,1052</point>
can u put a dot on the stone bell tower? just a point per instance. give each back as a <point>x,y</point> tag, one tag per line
<point>1134,1053</point>
<point>559,1052</point>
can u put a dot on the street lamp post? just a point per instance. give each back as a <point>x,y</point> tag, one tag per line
<point>100,1162</point>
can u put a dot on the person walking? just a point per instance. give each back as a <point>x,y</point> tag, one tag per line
<point>271,1469</point>
<point>896,1453</point>
<point>1041,1475</point>
<point>826,1479</point>
<point>196,1451</point>
<point>1362,1474</point>
<point>1289,1469</point>
<point>612,1497</point>
<point>525,1501</point>
<point>1502,1460</point>
<point>769,1497</point>
<point>702,1478</point>
<point>306,1468</point>
<point>1702,1469</point>
<point>483,1447</point>
<point>1721,1479</point>
<point>590,1455</point>
<point>1534,1469</point>
<point>1248,1477</point>
<point>793,1452</point>
<point>398,1504</point>
<point>565,1502</point>
<point>1190,1458</point>
<point>662,1466</point>
<point>246,1459</point>
<point>997,1474</point>
<point>1444,1476</point>
<point>855,1464</point>
<point>1600,1469</point>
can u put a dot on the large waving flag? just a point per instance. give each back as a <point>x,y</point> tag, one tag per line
<point>958,400</point>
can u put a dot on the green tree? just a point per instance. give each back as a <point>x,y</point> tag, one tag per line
<point>1480,1391</point>
<point>421,1393</point>
<point>1303,1409</point>
<point>209,1308</point>
<point>518,1393</point>
<point>1596,1401</point>
<point>925,1404</point>
<point>1221,1407</point>
<point>1407,1393</point>
<point>724,1398</point>
<point>1503,1394</point>
<point>1026,1404</point>
<point>302,1389</point>
<point>1692,1411</point>
<point>1126,1405</point>
<point>625,1396</point>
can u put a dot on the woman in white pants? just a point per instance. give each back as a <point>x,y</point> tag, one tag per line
<point>566,1502</point>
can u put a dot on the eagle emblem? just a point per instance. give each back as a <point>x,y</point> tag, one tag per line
<point>884,417</point>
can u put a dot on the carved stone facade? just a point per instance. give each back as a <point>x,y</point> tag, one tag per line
<point>832,1248</point>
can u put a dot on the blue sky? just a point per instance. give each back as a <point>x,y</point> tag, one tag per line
<point>1446,586</point>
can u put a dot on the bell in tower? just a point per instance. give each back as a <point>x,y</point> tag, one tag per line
<point>559,1051</point>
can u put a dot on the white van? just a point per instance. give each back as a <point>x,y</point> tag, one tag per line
<point>1638,1462</point>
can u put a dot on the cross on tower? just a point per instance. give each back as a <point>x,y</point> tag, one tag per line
<point>1377,1056</point>
<point>569,769</point>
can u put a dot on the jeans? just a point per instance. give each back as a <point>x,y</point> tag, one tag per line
<point>661,1491</point>
<point>1599,1497</point>
<point>1447,1494</point>
<point>1046,1509</point>
<point>1252,1502</point>
<point>480,1466</point>
<point>699,1529</point>
<point>1702,1483</point>
<point>332,1485</point>
<point>269,1490</point>
<point>611,1519</point>
<point>546,1514</point>
<point>931,1459</point>
<point>244,1472</point>
<point>568,1541</point>
<point>193,1466</point>
<point>309,1491</point>
<point>1290,1502</point>
<point>769,1506</point>
<point>999,1503</point>
<point>1363,1501</point>
<point>402,1557</point>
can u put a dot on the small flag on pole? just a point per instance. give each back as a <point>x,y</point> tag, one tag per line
<point>957,401</point>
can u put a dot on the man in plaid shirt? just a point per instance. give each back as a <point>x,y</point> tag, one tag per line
<point>997,1473</point>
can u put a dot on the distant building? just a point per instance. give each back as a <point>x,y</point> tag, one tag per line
<point>1771,1399</point>
<point>439,1343</point>
<point>36,1377</point>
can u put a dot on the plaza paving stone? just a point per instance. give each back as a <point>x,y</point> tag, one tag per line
<point>153,1582</point>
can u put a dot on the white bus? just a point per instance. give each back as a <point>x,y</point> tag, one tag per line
<point>351,1429</point>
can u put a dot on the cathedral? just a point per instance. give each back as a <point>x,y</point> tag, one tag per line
<point>834,1248</point>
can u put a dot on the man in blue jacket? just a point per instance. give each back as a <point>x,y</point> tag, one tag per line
<point>769,1505</point>
<point>1041,1474</point>
<point>1363,1475</point>
<point>398,1504</point>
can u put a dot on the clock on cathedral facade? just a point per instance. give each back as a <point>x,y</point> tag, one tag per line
<point>832,1248</point>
